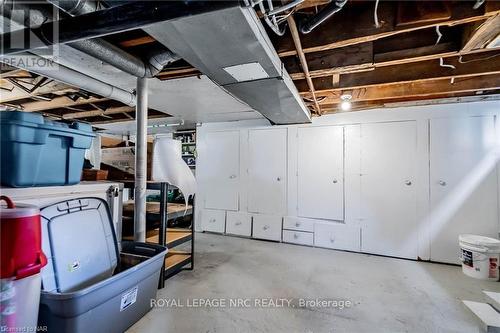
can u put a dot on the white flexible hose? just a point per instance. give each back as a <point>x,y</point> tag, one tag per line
<point>375,15</point>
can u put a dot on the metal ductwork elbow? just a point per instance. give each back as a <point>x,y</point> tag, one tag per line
<point>309,24</point>
<point>75,7</point>
<point>111,54</point>
<point>159,59</point>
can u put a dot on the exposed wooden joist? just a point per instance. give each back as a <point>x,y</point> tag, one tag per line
<point>472,65</point>
<point>137,41</point>
<point>355,25</point>
<point>311,3</point>
<point>481,34</point>
<point>59,102</point>
<point>428,100</point>
<point>412,89</point>
<point>432,52</point>
<point>296,39</point>
<point>100,113</point>
<point>424,70</point>
<point>178,73</point>
<point>333,61</point>
<point>52,87</point>
<point>420,12</point>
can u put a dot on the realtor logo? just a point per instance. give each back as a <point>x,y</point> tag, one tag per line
<point>23,22</point>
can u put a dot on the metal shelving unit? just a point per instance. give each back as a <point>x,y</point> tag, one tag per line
<point>175,260</point>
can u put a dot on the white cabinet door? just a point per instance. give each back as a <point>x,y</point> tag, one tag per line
<point>213,220</point>
<point>267,171</point>
<point>388,192</point>
<point>222,170</point>
<point>321,172</point>
<point>463,181</point>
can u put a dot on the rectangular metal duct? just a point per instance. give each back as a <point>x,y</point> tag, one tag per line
<point>232,43</point>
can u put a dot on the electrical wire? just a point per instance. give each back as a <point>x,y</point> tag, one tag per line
<point>442,64</point>
<point>440,35</point>
<point>485,58</point>
<point>375,15</point>
<point>441,60</point>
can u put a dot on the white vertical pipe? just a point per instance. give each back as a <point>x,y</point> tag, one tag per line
<point>141,118</point>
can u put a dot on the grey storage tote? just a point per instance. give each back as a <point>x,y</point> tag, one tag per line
<point>92,304</point>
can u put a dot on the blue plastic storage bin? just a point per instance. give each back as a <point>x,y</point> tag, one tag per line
<point>38,152</point>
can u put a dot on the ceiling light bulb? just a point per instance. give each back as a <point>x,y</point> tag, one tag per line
<point>346,102</point>
<point>345,105</point>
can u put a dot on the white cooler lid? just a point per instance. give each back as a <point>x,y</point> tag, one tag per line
<point>79,241</point>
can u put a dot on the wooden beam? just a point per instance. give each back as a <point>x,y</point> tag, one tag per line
<point>412,89</point>
<point>98,113</point>
<point>137,41</point>
<point>354,25</point>
<point>332,61</point>
<point>413,12</point>
<point>473,65</point>
<point>398,102</point>
<point>178,73</point>
<point>386,59</point>
<point>52,87</point>
<point>480,34</point>
<point>296,40</point>
<point>59,102</point>
<point>311,3</point>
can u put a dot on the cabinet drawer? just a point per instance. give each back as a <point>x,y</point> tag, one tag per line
<point>298,237</point>
<point>213,220</point>
<point>267,227</point>
<point>238,223</point>
<point>297,223</point>
<point>337,236</point>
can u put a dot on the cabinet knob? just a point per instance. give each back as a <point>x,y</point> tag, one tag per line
<point>265,227</point>
<point>212,220</point>
<point>335,181</point>
<point>442,183</point>
<point>238,223</point>
<point>295,236</point>
<point>278,179</point>
<point>232,176</point>
<point>408,183</point>
<point>297,224</point>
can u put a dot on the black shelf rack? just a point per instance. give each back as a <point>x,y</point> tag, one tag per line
<point>175,260</point>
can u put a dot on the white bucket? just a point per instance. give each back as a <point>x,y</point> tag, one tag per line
<point>19,300</point>
<point>480,257</point>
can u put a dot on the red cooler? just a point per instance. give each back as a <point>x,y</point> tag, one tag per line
<point>21,261</point>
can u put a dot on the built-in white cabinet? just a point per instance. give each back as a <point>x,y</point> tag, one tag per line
<point>213,220</point>
<point>267,162</point>
<point>388,193</point>
<point>221,170</point>
<point>463,183</point>
<point>267,227</point>
<point>320,172</point>
<point>239,223</point>
<point>401,184</point>
<point>334,235</point>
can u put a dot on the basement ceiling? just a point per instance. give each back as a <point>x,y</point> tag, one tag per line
<point>419,51</point>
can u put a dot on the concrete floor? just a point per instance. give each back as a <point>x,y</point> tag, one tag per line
<point>388,295</point>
